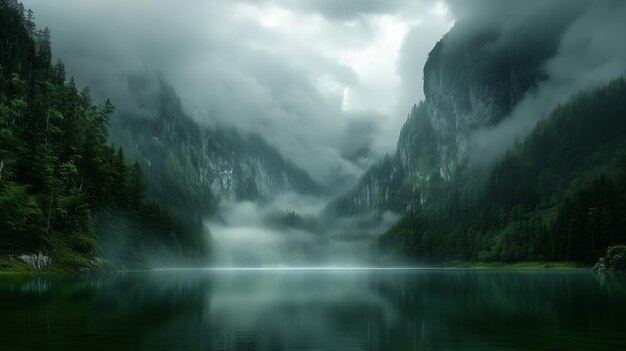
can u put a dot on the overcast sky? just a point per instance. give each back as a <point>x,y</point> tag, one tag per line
<point>328,82</point>
<point>320,79</point>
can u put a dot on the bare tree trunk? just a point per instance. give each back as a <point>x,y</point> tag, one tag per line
<point>1,167</point>
<point>47,124</point>
<point>82,177</point>
<point>49,211</point>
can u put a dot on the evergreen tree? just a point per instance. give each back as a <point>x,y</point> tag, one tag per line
<point>62,186</point>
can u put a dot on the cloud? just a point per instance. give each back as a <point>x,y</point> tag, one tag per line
<point>300,73</point>
<point>589,54</point>
<point>329,83</point>
<point>248,234</point>
<point>412,57</point>
<point>346,10</point>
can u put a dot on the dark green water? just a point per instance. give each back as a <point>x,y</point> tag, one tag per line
<point>315,310</point>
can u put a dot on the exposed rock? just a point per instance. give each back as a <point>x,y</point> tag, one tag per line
<point>38,260</point>
<point>615,260</point>
<point>473,78</point>
<point>97,264</point>
<point>188,166</point>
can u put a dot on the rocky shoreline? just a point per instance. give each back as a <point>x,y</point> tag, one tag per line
<point>615,260</point>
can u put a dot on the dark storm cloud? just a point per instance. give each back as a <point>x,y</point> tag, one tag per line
<point>359,138</point>
<point>300,73</point>
<point>321,80</point>
<point>512,14</point>
<point>411,62</point>
<point>589,53</point>
<point>343,10</point>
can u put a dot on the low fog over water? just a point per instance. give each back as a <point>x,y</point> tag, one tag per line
<point>330,96</point>
<point>289,231</point>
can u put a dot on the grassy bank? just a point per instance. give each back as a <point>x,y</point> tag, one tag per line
<point>513,265</point>
<point>64,261</point>
<point>15,267</point>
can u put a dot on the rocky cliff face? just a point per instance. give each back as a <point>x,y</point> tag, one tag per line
<point>615,260</point>
<point>191,167</point>
<point>473,78</point>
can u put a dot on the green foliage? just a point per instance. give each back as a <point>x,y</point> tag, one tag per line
<point>188,167</point>
<point>21,219</point>
<point>559,196</point>
<point>60,180</point>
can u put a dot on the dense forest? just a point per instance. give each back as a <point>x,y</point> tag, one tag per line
<point>64,190</point>
<point>560,195</point>
<point>67,192</point>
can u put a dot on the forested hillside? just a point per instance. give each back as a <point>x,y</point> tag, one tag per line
<point>64,191</point>
<point>558,196</point>
<point>473,78</point>
<point>190,167</point>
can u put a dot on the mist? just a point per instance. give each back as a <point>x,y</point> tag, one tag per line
<point>312,174</point>
<point>290,232</point>
<point>330,95</point>
<point>589,54</point>
<point>241,64</point>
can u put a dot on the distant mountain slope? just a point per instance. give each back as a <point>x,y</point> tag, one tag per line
<point>473,78</point>
<point>67,198</point>
<point>560,195</point>
<point>190,167</point>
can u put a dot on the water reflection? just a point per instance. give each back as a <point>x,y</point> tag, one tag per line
<point>315,310</point>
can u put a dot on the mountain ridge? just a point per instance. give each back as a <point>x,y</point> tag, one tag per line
<point>557,196</point>
<point>202,164</point>
<point>473,78</point>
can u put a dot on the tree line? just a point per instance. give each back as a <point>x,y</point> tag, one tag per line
<point>64,189</point>
<point>558,196</point>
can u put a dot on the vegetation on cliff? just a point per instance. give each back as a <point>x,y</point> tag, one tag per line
<point>558,196</point>
<point>64,191</point>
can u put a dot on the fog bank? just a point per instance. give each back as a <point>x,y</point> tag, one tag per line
<point>288,232</point>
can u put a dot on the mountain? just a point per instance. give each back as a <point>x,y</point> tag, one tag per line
<point>190,167</point>
<point>473,78</point>
<point>558,196</point>
<point>67,198</point>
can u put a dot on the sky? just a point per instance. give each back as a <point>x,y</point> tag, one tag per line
<point>329,83</point>
<point>590,53</point>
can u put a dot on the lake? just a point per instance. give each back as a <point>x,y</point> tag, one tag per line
<point>425,309</point>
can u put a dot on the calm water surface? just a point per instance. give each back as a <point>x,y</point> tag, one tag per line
<point>315,310</point>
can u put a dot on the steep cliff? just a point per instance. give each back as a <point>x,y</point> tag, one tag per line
<point>191,167</point>
<point>473,78</point>
<point>558,195</point>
